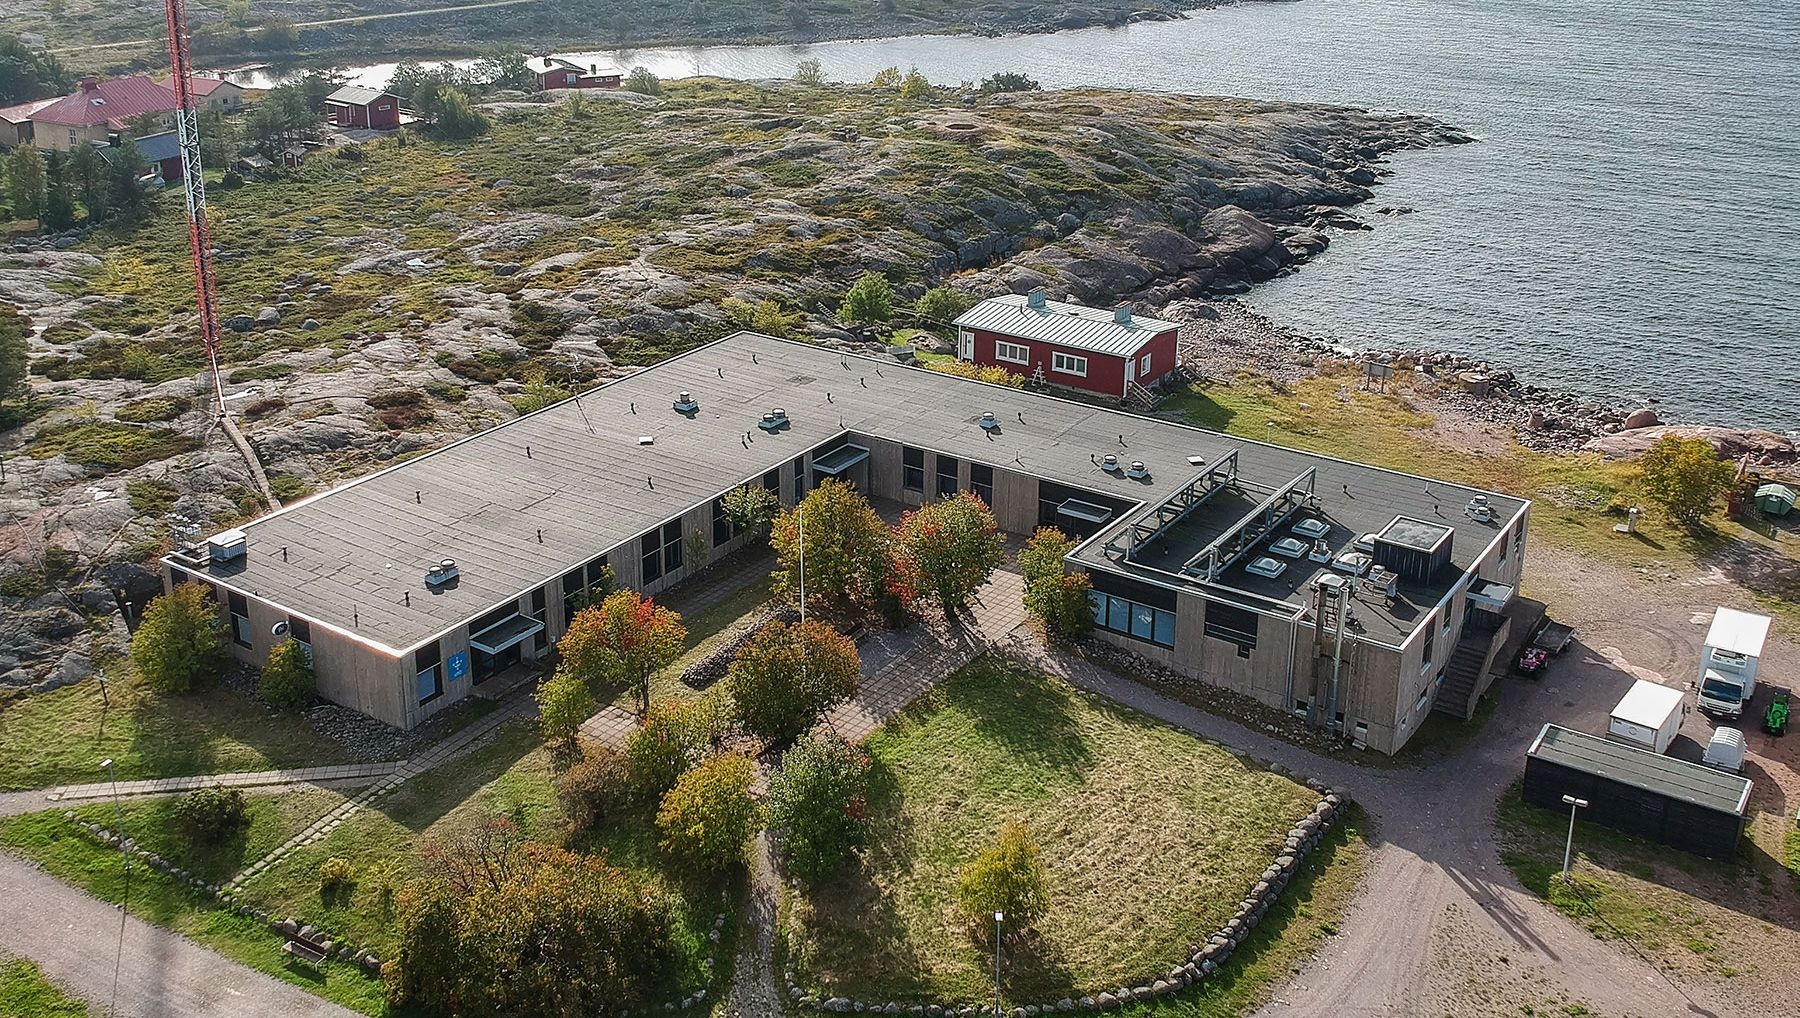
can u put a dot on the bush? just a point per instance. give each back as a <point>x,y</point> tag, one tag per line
<point>287,677</point>
<point>181,640</point>
<point>335,876</point>
<point>993,374</point>
<point>457,119</point>
<point>564,703</point>
<point>505,927</point>
<point>596,786</point>
<point>1008,877</point>
<point>1056,598</point>
<point>642,81</point>
<point>818,804</point>
<point>945,550</point>
<point>751,508</point>
<point>1008,81</point>
<point>846,546</point>
<point>914,86</point>
<point>710,815</point>
<point>809,72</point>
<point>870,300</point>
<point>1686,477</point>
<point>671,740</point>
<point>939,306</point>
<point>211,815</point>
<point>787,676</point>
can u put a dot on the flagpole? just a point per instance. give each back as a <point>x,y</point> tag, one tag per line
<point>801,510</point>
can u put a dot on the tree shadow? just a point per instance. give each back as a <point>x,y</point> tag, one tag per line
<point>1032,718</point>
<point>1757,567</point>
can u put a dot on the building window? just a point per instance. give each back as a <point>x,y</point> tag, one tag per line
<point>1129,618</point>
<point>1068,364</point>
<point>1012,353</point>
<point>240,620</point>
<point>912,468</point>
<point>946,476</point>
<point>1144,366</point>
<point>981,479</point>
<point>1424,702</point>
<point>799,479</point>
<point>300,631</point>
<point>723,531</point>
<point>1232,624</point>
<point>661,551</point>
<point>428,667</point>
<point>1430,647</point>
<point>1519,538</point>
<point>581,585</point>
<point>539,604</point>
<point>772,480</point>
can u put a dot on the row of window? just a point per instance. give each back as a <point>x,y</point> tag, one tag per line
<point>912,474</point>
<point>1129,618</point>
<point>1067,363</point>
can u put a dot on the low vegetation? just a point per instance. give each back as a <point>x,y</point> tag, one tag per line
<point>25,993</point>
<point>180,643</point>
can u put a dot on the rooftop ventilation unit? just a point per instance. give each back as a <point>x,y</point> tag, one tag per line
<point>227,546</point>
<point>1138,471</point>
<point>1321,552</point>
<point>989,422</point>
<point>1109,463</point>
<point>440,574</point>
<point>1479,509</point>
<point>1122,313</point>
<point>774,420</point>
<point>684,403</point>
<point>1355,563</point>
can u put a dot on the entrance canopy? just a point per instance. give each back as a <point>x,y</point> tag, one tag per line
<point>840,459</point>
<point>1490,595</point>
<point>507,633</point>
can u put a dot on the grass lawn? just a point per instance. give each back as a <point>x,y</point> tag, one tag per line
<point>60,737</point>
<point>25,993</point>
<point>1150,837</point>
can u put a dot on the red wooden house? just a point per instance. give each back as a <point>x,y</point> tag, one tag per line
<point>555,72</point>
<point>356,106</point>
<point>1108,352</point>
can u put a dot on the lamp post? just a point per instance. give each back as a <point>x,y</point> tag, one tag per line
<point>1269,433</point>
<point>999,917</point>
<point>1569,845</point>
<point>112,777</point>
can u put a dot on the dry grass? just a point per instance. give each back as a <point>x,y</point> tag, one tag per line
<point>1150,838</point>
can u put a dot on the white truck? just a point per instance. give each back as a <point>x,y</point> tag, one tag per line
<point>1728,661</point>
<point>1648,717</point>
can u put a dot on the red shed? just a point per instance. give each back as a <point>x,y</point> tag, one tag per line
<point>555,72</point>
<point>356,106</point>
<point>1108,352</point>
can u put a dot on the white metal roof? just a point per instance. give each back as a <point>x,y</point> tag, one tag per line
<point>1738,632</point>
<point>355,95</point>
<point>1648,704</point>
<point>1072,325</point>
<point>543,65</point>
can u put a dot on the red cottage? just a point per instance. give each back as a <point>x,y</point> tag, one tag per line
<point>1108,352</point>
<point>355,106</point>
<point>555,72</point>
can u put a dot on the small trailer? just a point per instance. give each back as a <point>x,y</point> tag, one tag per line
<point>1725,751</point>
<point>1648,716</point>
<point>1551,638</point>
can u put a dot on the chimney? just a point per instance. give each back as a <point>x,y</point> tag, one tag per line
<point>89,83</point>
<point>112,139</point>
<point>1122,312</point>
<point>1035,298</point>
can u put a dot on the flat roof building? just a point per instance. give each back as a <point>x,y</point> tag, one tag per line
<point>1183,529</point>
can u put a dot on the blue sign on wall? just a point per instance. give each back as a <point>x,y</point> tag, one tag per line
<point>459,665</point>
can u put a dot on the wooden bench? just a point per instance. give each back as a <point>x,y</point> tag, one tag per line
<point>308,951</point>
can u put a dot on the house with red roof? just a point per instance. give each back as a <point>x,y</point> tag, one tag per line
<point>216,93</point>
<point>99,109</point>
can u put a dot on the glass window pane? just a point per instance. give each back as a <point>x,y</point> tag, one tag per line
<point>1143,620</point>
<point>1165,628</point>
<point>1097,605</point>
<point>428,684</point>
<point>1118,615</point>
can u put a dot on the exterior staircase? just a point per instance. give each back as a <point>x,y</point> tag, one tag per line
<point>1138,396</point>
<point>1464,674</point>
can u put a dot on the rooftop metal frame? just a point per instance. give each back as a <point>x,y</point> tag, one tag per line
<point>1253,526</point>
<point>1217,476</point>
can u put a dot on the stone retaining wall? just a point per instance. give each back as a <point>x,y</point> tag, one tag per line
<point>712,667</point>
<point>1200,962</point>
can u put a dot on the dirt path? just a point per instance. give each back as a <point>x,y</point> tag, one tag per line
<point>73,938</point>
<point>754,990</point>
<point>321,24</point>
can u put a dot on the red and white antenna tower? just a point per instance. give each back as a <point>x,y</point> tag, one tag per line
<point>187,128</point>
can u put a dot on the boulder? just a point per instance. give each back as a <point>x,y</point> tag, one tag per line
<point>240,323</point>
<point>1643,417</point>
<point>1730,442</point>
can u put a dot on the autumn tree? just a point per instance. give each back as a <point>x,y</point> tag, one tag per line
<point>710,814</point>
<point>181,640</point>
<point>673,738</point>
<point>846,546</point>
<point>787,676</point>
<point>1007,877</point>
<point>1054,596</point>
<point>621,641</point>
<point>752,508</point>
<point>818,804</point>
<point>564,703</point>
<point>1686,477</point>
<point>945,550</point>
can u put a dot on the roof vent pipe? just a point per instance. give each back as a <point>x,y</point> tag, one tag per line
<point>988,421</point>
<point>1122,313</point>
<point>684,403</point>
<point>1035,298</point>
<point>1138,471</point>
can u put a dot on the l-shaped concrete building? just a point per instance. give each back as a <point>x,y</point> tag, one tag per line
<point>1357,596</point>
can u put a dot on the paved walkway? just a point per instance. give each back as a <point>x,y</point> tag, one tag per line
<point>245,779</point>
<point>75,938</point>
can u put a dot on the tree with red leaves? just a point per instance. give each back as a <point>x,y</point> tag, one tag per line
<point>622,640</point>
<point>945,551</point>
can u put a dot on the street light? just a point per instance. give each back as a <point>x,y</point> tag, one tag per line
<point>1569,845</point>
<point>999,917</point>
<point>125,889</point>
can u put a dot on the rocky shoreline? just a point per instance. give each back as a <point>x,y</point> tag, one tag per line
<point>1223,338</point>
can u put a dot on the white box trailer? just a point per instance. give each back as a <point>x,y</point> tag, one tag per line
<point>1648,717</point>
<point>1728,661</point>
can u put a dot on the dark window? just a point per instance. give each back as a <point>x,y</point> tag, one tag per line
<point>428,666</point>
<point>1130,618</point>
<point>772,480</point>
<point>981,479</point>
<point>581,586</point>
<point>723,531</point>
<point>1430,647</point>
<point>912,473</point>
<point>661,550</point>
<point>1233,625</point>
<point>494,618</point>
<point>300,631</point>
<point>240,620</point>
<point>799,479</point>
<point>946,475</point>
<point>538,602</point>
<point>651,556</point>
<point>671,536</point>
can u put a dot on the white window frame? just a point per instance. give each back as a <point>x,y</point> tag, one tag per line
<point>1144,365</point>
<point>1068,364</point>
<point>1012,353</point>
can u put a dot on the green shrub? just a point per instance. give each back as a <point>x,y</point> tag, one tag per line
<point>597,786</point>
<point>709,816</point>
<point>818,804</point>
<point>151,498</point>
<point>642,81</point>
<point>1686,477</point>
<point>673,738</point>
<point>287,676</point>
<point>335,877</point>
<point>287,487</point>
<point>939,306</point>
<point>211,815</point>
<point>870,300</point>
<point>564,703</point>
<point>181,640</point>
<point>150,411</point>
<point>1056,598</point>
<point>786,676</point>
<point>1009,878</point>
<point>107,445</point>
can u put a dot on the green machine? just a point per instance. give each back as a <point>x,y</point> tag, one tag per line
<point>1775,719</point>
